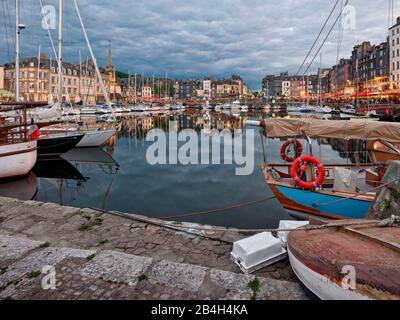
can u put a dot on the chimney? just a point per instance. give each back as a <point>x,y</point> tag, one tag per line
<point>398,20</point>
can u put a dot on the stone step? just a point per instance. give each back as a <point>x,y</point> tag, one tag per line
<point>90,274</point>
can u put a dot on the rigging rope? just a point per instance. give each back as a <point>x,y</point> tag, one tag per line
<point>355,196</point>
<point>315,42</point>
<point>327,36</point>
<point>10,23</point>
<point>6,31</point>
<point>340,37</point>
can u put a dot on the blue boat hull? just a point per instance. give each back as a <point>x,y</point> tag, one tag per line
<point>308,201</point>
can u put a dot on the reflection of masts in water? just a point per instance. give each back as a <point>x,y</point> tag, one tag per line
<point>60,191</point>
<point>108,191</point>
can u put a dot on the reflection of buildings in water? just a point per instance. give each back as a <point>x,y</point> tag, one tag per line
<point>209,121</point>
<point>140,126</point>
<point>111,144</point>
<point>354,150</point>
<point>223,121</point>
<point>187,121</point>
<point>22,189</point>
<point>93,124</point>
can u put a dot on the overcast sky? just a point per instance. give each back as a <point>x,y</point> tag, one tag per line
<point>192,38</point>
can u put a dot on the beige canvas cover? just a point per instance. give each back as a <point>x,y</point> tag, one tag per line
<point>357,129</point>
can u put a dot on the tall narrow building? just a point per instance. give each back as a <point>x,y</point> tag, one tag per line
<point>112,85</point>
<point>394,45</point>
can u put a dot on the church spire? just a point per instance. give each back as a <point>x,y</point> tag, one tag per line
<point>110,59</point>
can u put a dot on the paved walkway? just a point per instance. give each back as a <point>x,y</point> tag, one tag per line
<point>101,256</point>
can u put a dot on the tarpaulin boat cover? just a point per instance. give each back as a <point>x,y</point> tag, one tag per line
<point>357,129</point>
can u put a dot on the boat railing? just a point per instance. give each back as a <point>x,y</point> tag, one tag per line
<point>14,133</point>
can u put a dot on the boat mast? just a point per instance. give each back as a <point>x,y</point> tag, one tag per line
<point>60,86</point>
<point>129,86</point>
<point>320,81</point>
<point>307,88</point>
<point>38,76</point>
<point>357,82</point>
<point>80,74</point>
<point>141,91</point>
<point>17,32</point>
<point>135,87</point>
<point>103,88</point>
<point>166,85</point>
<point>50,96</point>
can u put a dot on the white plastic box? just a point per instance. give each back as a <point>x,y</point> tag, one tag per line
<point>257,252</point>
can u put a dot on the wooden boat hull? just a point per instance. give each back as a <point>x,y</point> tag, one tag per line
<point>297,200</point>
<point>322,260</point>
<point>18,159</point>
<point>317,204</point>
<point>56,145</point>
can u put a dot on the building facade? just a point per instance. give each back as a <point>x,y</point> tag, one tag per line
<point>207,87</point>
<point>188,88</point>
<point>1,77</point>
<point>394,49</point>
<point>39,81</point>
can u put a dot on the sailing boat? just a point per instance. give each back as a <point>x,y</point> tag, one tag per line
<point>18,144</point>
<point>89,139</point>
<point>50,144</point>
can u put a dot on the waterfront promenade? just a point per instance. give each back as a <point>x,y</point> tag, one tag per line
<point>102,256</point>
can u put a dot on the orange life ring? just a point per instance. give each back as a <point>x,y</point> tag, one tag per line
<point>301,163</point>
<point>299,150</point>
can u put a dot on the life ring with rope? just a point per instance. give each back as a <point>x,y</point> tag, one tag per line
<point>299,167</point>
<point>285,147</point>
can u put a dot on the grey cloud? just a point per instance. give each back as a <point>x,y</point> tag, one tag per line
<point>191,38</point>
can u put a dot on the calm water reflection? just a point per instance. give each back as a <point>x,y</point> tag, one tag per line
<point>118,177</point>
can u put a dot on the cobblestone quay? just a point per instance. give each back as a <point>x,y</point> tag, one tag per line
<point>103,256</point>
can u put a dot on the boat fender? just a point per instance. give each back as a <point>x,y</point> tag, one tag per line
<point>299,167</point>
<point>34,133</point>
<point>286,145</point>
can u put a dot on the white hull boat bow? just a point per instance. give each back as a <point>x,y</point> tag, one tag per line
<point>17,160</point>
<point>93,139</point>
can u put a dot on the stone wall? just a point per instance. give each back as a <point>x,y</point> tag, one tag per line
<point>387,202</point>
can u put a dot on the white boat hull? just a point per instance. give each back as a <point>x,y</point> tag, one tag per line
<point>88,111</point>
<point>17,160</point>
<point>319,285</point>
<point>93,139</point>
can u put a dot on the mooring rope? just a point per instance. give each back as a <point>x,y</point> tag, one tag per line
<point>393,221</point>
<point>315,205</point>
<point>201,213</point>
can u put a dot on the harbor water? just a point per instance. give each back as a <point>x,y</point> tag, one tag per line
<point>119,177</point>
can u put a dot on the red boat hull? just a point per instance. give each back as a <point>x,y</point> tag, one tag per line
<point>373,252</point>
